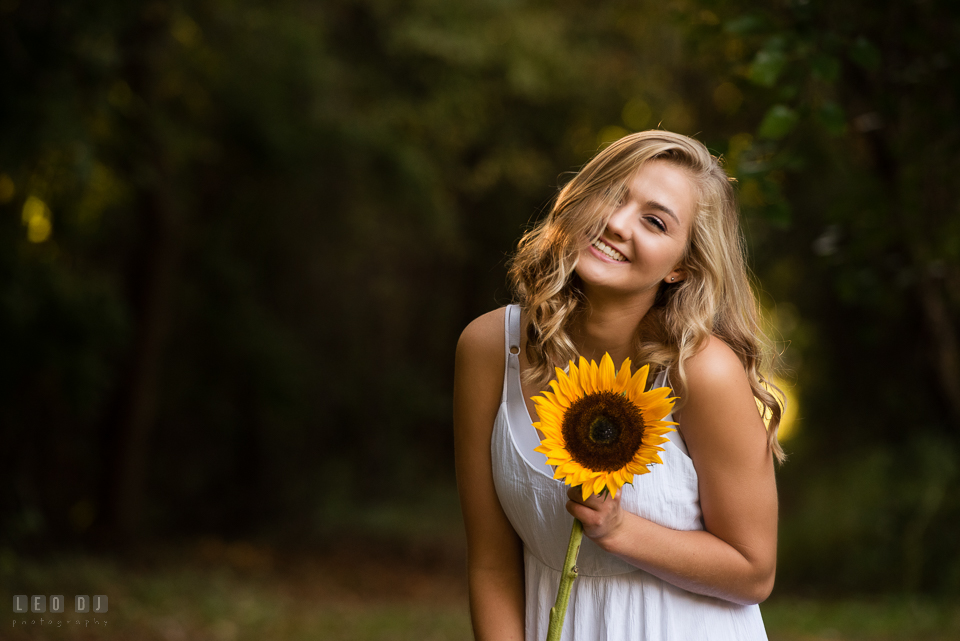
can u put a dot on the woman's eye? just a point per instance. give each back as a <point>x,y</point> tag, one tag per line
<point>656,222</point>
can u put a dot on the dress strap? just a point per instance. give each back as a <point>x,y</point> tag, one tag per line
<point>662,379</point>
<point>519,424</point>
<point>511,343</point>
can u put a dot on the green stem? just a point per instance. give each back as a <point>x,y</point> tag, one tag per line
<point>559,609</point>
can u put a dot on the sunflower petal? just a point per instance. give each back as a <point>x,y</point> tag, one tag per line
<point>638,383</point>
<point>553,399</point>
<point>595,376</point>
<point>656,411</point>
<point>584,378</point>
<point>616,479</point>
<point>587,490</point>
<point>573,375</point>
<point>623,376</point>
<point>655,395</point>
<point>567,387</point>
<point>607,376</point>
<point>599,483</point>
<point>546,409</point>
<point>646,458</point>
<point>581,476</point>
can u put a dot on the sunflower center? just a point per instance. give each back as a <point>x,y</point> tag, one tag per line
<point>603,431</point>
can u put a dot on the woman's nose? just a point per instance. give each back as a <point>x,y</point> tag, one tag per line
<point>619,223</point>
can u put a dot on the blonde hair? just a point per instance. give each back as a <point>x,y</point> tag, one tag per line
<point>715,297</point>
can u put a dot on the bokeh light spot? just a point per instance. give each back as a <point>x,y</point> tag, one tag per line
<point>36,217</point>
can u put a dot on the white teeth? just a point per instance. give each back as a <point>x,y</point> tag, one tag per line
<point>609,251</point>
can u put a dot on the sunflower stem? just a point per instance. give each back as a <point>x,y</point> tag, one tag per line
<point>559,609</point>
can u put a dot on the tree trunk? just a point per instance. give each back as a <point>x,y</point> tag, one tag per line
<point>151,277</point>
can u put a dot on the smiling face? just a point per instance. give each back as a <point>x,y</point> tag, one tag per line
<point>645,238</point>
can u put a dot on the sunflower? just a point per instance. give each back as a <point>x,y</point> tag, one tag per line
<point>600,427</point>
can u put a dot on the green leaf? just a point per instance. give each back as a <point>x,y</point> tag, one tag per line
<point>865,54</point>
<point>833,118</point>
<point>743,25</point>
<point>778,122</point>
<point>825,68</point>
<point>766,67</point>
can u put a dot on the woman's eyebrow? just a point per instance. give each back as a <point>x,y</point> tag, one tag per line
<point>652,204</point>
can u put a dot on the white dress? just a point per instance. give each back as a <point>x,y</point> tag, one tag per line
<point>611,599</point>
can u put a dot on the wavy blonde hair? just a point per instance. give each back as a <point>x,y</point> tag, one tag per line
<point>714,298</point>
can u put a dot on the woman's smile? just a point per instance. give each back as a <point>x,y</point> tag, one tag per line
<point>606,251</point>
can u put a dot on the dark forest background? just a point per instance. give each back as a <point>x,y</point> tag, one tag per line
<point>240,239</point>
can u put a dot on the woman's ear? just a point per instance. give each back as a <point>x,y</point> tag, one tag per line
<point>675,276</point>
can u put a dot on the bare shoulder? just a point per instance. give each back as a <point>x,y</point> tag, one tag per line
<point>715,364</point>
<point>480,359</point>
<point>484,335</point>
<point>719,401</point>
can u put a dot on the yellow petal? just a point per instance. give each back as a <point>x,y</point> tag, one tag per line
<point>595,376</point>
<point>607,376</point>
<point>579,476</point>
<point>554,400</point>
<point>586,381</point>
<point>557,397</point>
<point>646,458</point>
<point>660,427</point>
<point>655,395</point>
<point>550,430</point>
<point>656,411</point>
<point>623,376</point>
<point>572,467</point>
<point>545,410</point>
<point>599,483</point>
<point>566,388</point>
<point>587,490</point>
<point>615,481</point>
<point>574,373</point>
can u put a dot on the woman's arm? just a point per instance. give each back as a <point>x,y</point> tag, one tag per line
<point>735,557</point>
<point>494,551</point>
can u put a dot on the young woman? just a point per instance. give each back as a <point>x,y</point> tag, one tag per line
<point>641,256</point>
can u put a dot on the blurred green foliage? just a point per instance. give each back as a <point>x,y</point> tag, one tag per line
<point>240,241</point>
<point>200,594</point>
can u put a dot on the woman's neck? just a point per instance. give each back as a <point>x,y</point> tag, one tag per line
<point>609,326</point>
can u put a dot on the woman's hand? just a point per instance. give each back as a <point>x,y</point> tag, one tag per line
<point>601,516</point>
<point>735,556</point>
